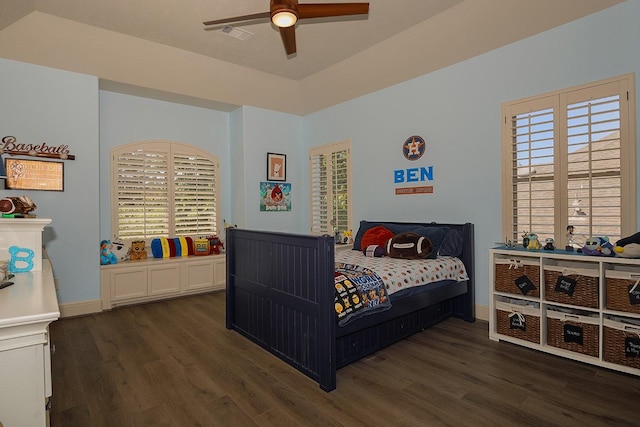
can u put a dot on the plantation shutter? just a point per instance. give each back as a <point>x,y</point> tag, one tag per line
<point>163,189</point>
<point>319,188</point>
<point>569,160</point>
<point>340,189</point>
<point>532,172</point>
<point>330,177</point>
<point>194,194</point>
<point>143,193</point>
<point>594,161</point>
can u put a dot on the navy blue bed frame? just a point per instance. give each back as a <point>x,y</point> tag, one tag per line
<point>280,295</point>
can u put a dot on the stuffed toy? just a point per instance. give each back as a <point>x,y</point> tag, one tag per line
<point>138,250</point>
<point>409,246</point>
<point>378,235</point>
<point>629,247</point>
<point>599,246</point>
<point>549,244</point>
<point>106,256</point>
<point>533,242</point>
<point>120,250</point>
<point>374,251</point>
<point>215,244</point>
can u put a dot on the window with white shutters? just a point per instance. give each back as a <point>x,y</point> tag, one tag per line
<point>163,189</point>
<point>569,160</point>
<point>330,180</point>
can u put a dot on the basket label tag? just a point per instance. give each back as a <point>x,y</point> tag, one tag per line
<point>573,333</point>
<point>632,347</point>
<point>566,285</point>
<point>517,321</point>
<point>524,284</point>
<point>634,294</point>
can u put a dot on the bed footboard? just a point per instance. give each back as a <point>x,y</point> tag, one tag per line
<point>276,286</point>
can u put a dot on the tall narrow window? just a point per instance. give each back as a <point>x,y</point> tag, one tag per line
<point>330,180</point>
<point>569,159</point>
<point>163,189</point>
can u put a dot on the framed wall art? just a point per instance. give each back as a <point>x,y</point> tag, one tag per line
<point>276,167</point>
<point>34,175</point>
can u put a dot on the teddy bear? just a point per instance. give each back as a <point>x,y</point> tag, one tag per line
<point>628,247</point>
<point>106,256</point>
<point>138,251</point>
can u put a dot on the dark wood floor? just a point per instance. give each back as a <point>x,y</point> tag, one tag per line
<point>173,363</point>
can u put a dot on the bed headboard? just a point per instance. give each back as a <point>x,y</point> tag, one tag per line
<point>464,306</point>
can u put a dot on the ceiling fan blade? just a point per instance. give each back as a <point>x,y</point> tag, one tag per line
<point>288,35</point>
<point>239,18</point>
<point>320,10</point>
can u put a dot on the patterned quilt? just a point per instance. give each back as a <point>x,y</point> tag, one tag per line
<point>399,274</point>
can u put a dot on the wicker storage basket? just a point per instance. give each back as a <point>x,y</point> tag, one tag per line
<point>618,283</point>
<point>615,336</point>
<point>589,328</point>
<point>586,291</point>
<point>508,271</point>
<point>528,315</point>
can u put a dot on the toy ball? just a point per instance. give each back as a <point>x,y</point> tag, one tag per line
<point>7,206</point>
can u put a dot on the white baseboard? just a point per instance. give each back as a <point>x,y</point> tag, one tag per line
<point>80,308</point>
<point>482,312</point>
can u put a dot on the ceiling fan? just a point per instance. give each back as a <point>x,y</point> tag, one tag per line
<point>285,13</point>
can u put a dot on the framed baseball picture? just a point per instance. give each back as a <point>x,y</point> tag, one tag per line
<point>276,167</point>
<point>34,175</point>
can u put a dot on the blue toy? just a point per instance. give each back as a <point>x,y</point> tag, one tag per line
<point>598,246</point>
<point>106,256</point>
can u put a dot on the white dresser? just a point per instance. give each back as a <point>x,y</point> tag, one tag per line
<point>26,309</point>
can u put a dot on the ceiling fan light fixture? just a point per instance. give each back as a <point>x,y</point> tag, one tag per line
<point>284,18</point>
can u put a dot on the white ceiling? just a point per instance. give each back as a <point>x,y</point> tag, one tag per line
<point>398,40</point>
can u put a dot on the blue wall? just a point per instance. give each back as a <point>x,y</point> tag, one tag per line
<point>457,111</point>
<point>125,119</point>
<point>41,104</point>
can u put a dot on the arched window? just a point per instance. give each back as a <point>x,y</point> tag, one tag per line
<point>163,189</point>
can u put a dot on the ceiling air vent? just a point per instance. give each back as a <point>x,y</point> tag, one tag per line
<point>236,33</point>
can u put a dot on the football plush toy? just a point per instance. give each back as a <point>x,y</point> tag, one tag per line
<point>409,246</point>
